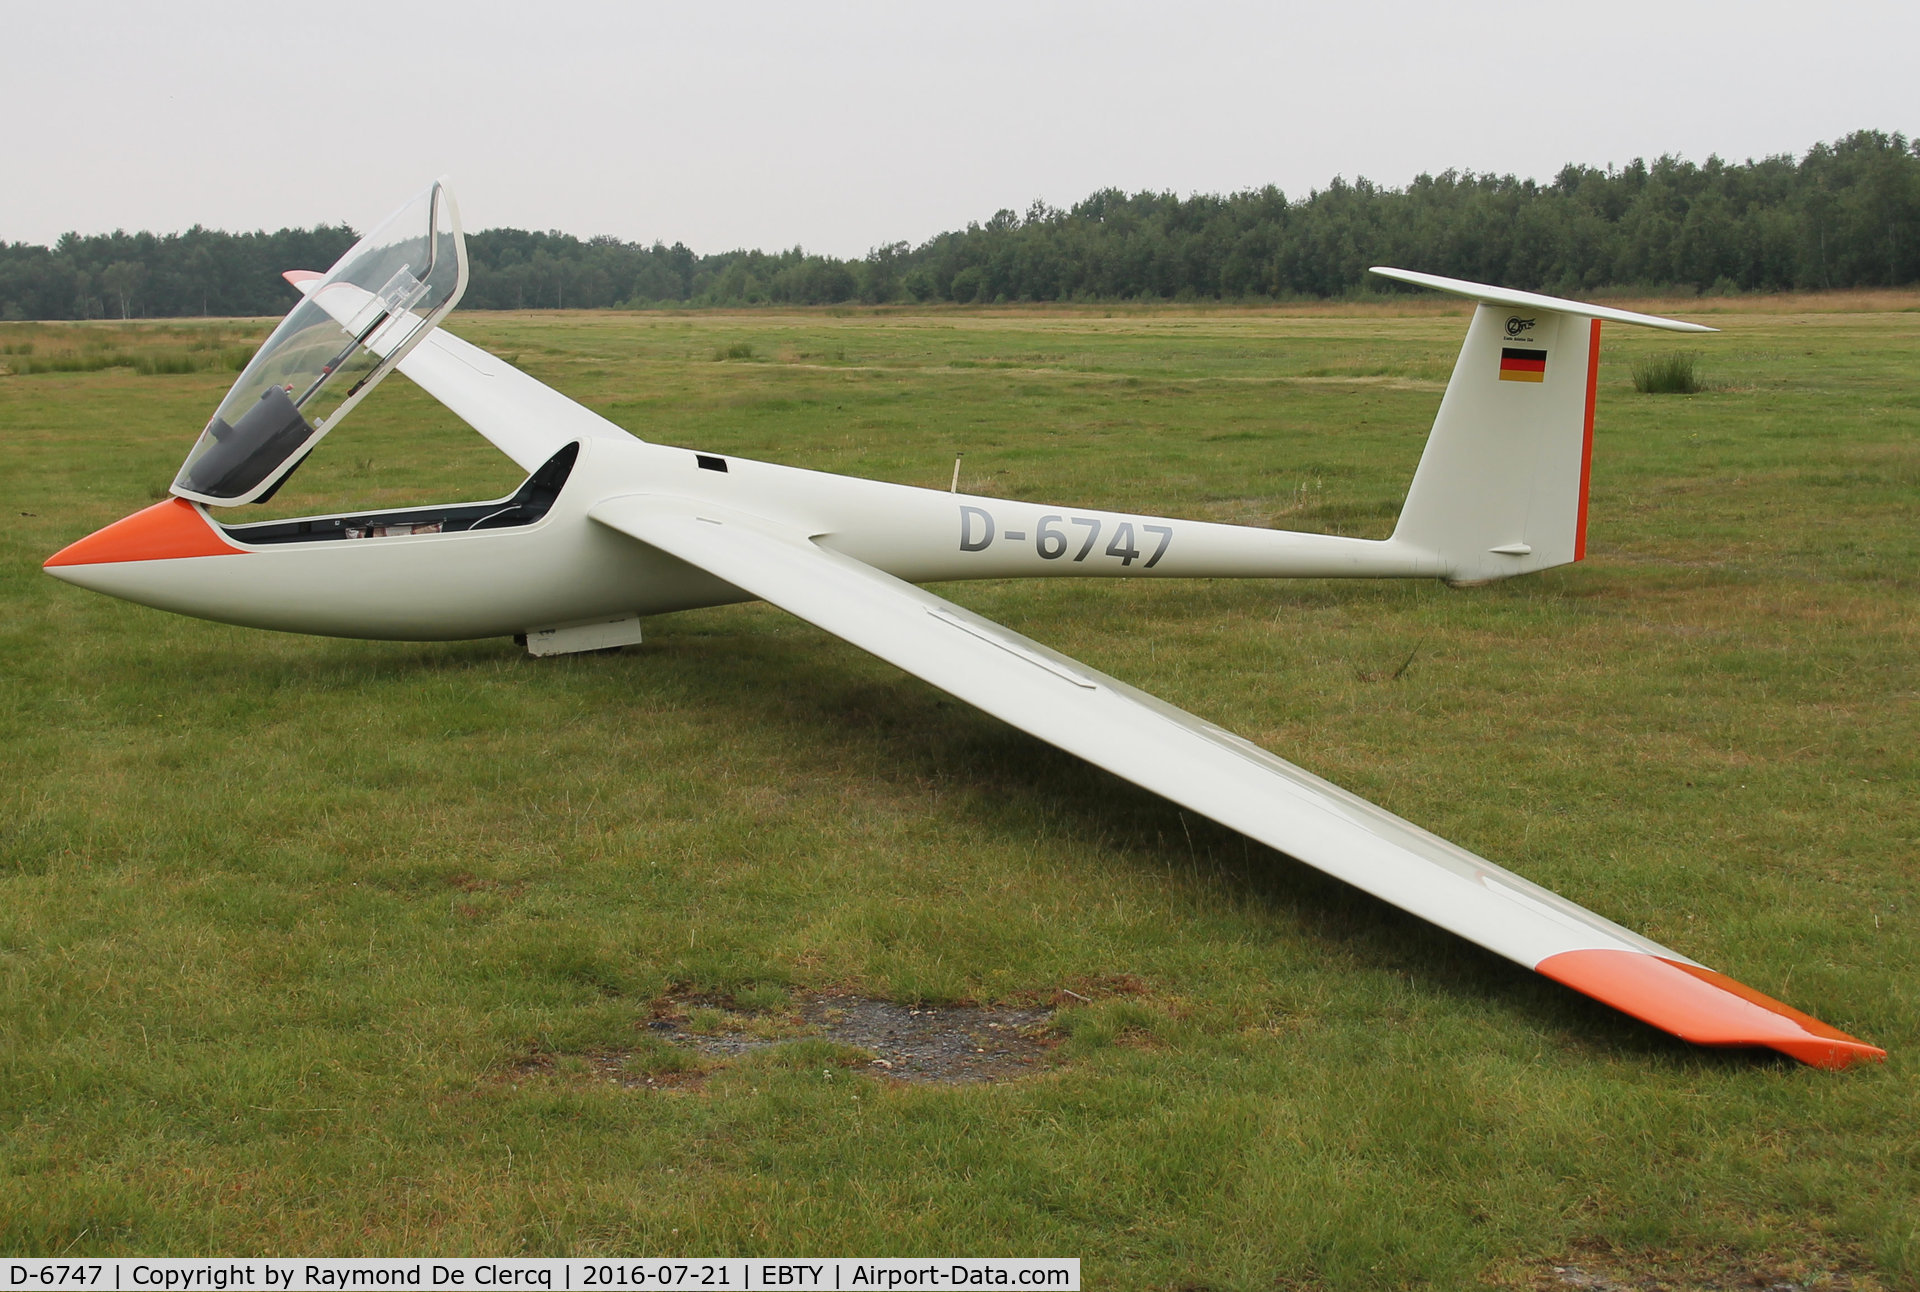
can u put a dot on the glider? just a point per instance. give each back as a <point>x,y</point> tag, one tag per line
<point>609,528</point>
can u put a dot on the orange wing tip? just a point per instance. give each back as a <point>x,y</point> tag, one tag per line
<point>163,532</point>
<point>1702,1006</point>
<point>298,276</point>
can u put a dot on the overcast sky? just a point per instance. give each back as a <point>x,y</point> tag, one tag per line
<point>842,126</point>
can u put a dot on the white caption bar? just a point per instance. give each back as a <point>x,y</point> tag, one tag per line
<point>557,1274</point>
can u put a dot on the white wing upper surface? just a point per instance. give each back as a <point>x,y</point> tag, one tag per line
<point>525,418</point>
<point>1124,730</point>
<point>1218,774</point>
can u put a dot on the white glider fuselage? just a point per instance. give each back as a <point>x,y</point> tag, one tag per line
<point>608,529</point>
<point>564,567</point>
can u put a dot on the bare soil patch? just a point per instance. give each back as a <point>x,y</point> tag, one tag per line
<point>937,1044</point>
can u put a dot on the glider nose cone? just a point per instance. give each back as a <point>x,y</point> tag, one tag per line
<point>165,531</point>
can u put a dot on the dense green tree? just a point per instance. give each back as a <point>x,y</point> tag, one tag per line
<point>1847,214</point>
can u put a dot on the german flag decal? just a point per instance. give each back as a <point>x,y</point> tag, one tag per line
<point>1522,365</point>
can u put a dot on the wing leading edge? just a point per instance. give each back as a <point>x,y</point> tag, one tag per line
<point>1220,775</point>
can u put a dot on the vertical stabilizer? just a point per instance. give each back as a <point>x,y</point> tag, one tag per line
<point>1502,485</point>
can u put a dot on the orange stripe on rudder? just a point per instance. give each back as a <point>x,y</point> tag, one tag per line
<point>165,531</point>
<point>1586,442</point>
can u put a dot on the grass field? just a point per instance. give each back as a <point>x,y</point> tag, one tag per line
<point>330,947</point>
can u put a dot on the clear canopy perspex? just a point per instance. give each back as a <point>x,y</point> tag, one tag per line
<point>355,325</point>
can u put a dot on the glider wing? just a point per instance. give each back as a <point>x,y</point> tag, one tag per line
<point>1220,775</point>
<point>526,419</point>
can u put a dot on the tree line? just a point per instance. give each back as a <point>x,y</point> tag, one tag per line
<point>1844,215</point>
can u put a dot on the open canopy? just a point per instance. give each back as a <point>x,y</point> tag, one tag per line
<point>353,327</point>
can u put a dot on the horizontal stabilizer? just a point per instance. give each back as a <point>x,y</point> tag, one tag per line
<point>1535,301</point>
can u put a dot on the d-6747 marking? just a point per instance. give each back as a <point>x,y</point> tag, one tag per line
<point>1053,536</point>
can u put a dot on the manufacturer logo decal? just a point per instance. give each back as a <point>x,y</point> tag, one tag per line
<point>1516,325</point>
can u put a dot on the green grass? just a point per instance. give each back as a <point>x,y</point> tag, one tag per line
<point>150,349</point>
<point>303,943</point>
<point>1673,373</point>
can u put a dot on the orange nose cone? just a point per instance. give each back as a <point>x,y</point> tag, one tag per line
<point>163,532</point>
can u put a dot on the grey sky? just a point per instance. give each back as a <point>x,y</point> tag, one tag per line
<point>840,126</point>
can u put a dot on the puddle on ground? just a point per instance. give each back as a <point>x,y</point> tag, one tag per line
<point>946,1044</point>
